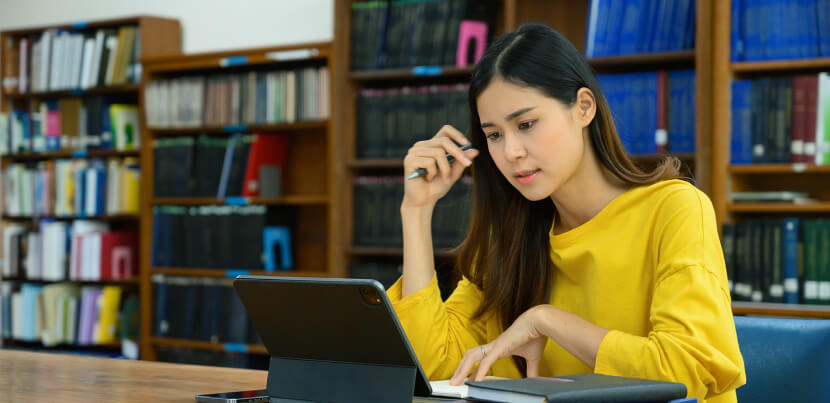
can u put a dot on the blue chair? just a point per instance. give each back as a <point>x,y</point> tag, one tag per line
<point>787,360</point>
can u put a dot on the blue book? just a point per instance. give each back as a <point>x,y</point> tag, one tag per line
<point>649,121</point>
<point>741,136</point>
<point>591,36</point>
<point>80,192</point>
<point>631,27</point>
<point>30,294</point>
<point>822,12</point>
<point>791,227</point>
<point>615,20</point>
<point>751,27</point>
<point>678,25</point>
<point>736,37</point>
<point>690,26</point>
<point>666,20</point>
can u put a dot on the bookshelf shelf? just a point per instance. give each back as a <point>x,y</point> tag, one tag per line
<point>391,252</point>
<point>412,73</point>
<point>759,169</point>
<point>110,218</point>
<point>70,154</point>
<point>232,273</point>
<point>376,163</point>
<point>206,345</point>
<point>285,127</point>
<point>781,65</point>
<point>296,200</point>
<point>14,343</point>
<point>790,310</point>
<point>129,281</point>
<point>248,59</point>
<point>656,61</point>
<point>129,89</point>
<point>778,208</point>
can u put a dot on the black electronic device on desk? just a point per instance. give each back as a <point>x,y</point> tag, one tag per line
<point>331,340</point>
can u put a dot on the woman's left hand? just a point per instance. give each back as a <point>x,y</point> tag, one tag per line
<point>522,339</point>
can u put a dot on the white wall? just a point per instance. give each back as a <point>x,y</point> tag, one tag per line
<point>207,25</point>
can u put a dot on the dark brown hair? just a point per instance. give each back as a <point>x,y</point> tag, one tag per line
<point>507,249</point>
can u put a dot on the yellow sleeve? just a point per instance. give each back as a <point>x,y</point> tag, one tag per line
<point>692,338</point>
<point>440,332</point>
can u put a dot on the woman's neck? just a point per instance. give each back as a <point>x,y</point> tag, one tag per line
<point>585,194</point>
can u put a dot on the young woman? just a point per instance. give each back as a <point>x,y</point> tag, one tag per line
<point>576,260</point>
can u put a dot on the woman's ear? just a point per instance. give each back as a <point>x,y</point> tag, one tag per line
<point>586,106</point>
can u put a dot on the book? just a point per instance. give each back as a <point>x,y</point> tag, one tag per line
<point>576,388</point>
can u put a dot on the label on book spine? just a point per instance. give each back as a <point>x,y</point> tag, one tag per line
<point>296,54</point>
<point>235,347</point>
<point>427,70</point>
<point>236,201</point>
<point>791,285</point>
<point>234,273</point>
<point>79,154</point>
<point>80,24</point>
<point>811,289</point>
<point>234,128</point>
<point>233,61</point>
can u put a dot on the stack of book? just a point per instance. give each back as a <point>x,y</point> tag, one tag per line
<point>72,188</point>
<point>781,120</point>
<point>255,97</point>
<point>65,59</point>
<point>67,313</point>
<point>639,26</point>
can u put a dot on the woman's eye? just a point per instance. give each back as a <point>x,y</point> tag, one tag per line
<point>493,136</point>
<point>526,125</point>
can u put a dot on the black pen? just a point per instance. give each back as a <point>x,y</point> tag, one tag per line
<point>422,171</point>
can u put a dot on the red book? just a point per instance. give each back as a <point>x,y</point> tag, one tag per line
<point>661,137</point>
<point>811,85</point>
<point>799,117</point>
<point>119,252</point>
<point>266,149</point>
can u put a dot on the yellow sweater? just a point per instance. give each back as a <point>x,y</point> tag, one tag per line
<point>648,267</point>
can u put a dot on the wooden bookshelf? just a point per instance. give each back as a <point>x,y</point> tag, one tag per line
<point>784,66</point>
<point>296,128</point>
<point>647,61</point>
<point>231,273</point>
<point>156,36</point>
<point>126,281</point>
<point>126,89</point>
<point>728,178</point>
<point>309,176</point>
<point>359,251</point>
<point>785,310</point>
<point>290,200</point>
<point>70,154</point>
<point>109,218</point>
<point>206,345</point>
<point>763,169</point>
<point>420,73</point>
<point>779,208</point>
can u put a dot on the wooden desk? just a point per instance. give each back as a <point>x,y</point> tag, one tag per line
<point>42,377</point>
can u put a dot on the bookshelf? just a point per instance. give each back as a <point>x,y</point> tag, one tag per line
<point>727,177</point>
<point>126,40</point>
<point>568,17</point>
<point>309,172</point>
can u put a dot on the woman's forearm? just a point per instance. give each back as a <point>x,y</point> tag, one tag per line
<point>575,334</point>
<point>418,260</point>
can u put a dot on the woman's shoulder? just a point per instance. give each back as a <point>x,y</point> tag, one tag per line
<point>674,193</point>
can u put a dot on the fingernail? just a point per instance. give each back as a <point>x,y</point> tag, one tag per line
<point>467,161</point>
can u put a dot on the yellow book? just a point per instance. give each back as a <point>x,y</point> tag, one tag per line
<point>130,176</point>
<point>106,329</point>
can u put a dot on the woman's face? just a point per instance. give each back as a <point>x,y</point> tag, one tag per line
<point>535,141</point>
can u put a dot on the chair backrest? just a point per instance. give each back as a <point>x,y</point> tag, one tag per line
<point>786,360</point>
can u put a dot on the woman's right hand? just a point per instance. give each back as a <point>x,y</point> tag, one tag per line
<point>425,190</point>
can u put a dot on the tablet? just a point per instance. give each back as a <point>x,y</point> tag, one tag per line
<point>329,320</point>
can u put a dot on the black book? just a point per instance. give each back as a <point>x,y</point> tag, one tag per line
<point>577,388</point>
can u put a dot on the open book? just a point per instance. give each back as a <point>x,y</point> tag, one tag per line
<point>444,389</point>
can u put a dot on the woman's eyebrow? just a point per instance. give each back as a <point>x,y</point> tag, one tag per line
<point>511,116</point>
